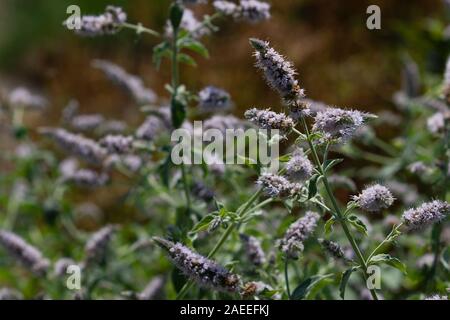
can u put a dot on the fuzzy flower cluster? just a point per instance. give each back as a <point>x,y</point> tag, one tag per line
<point>204,271</point>
<point>292,243</point>
<point>279,73</point>
<point>86,178</point>
<point>97,246</point>
<point>117,144</point>
<point>77,145</point>
<point>87,122</point>
<point>153,289</point>
<point>374,198</point>
<point>253,250</point>
<point>214,99</point>
<point>202,192</point>
<point>23,98</point>
<point>131,84</point>
<point>276,186</point>
<point>267,119</point>
<point>253,11</point>
<point>436,123</point>
<point>338,124</point>
<point>105,24</point>
<point>7,294</point>
<point>226,8</point>
<point>332,248</point>
<point>30,257</point>
<point>425,215</point>
<point>299,168</point>
<point>61,266</point>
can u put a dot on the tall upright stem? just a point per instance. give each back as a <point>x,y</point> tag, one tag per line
<point>336,208</point>
<point>175,85</point>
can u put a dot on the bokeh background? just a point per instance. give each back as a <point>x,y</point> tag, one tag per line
<point>339,60</point>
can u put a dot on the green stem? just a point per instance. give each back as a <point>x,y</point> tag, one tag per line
<point>336,208</point>
<point>139,28</point>
<point>242,213</point>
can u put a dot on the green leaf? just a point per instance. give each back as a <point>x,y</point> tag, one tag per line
<point>306,286</point>
<point>203,224</point>
<point>389,260</point>
<point>194,45</point>
<point>159,52</point>
<point>331,163</point>
<point>178,113</point>
<point>358,224</point>
<point>329,225</point>
<point>345,277</point>
<point>312,186</point>
<point>186,59</point>
<point>176,14</point>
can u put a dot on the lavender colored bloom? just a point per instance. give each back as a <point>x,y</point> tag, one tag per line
<point>253,250</point>
<point>7,294</point>
<point>436,123</point>
<point>425,215</point>
<point>113,127</point>
<point>68,167</point>
<point>332,248</point>
<point>132,162</point>
<point>105,24</point>
<point>214,99</point>
<point>61,266</point>
<point>275,186</point>
<point>447,76</point>
<point>97,246</point>
<point>70,111</point>
<point>301,108</point>
<point>202,192</point>
<point>253,11</point>
<point>117,143</point>
<point>153,290</point>
<point>189,23</point>
<point>87,178</point>
<point>131,84</point>
<point>267,119</point>
<point>256,288</point>
<point>227,8</point>
<point>279,73</point>
<point>87,122</point>
<point>151,127</point>
<point>418,167</point>
<point>23,98</point>
<point>338,124</point>
<point>77,145</point>
<point>30,257</point>
<point>374,198</point>
<point>299,168</point>
<point>204,271</point>
<point>292,243</point>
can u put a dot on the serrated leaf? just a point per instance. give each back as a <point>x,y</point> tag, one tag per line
<point>358,224</point>
<point>389,260</point>
<point>345,277</point>
<point>203,224</point>
<point>304,288</point>
<point>194,45</point>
